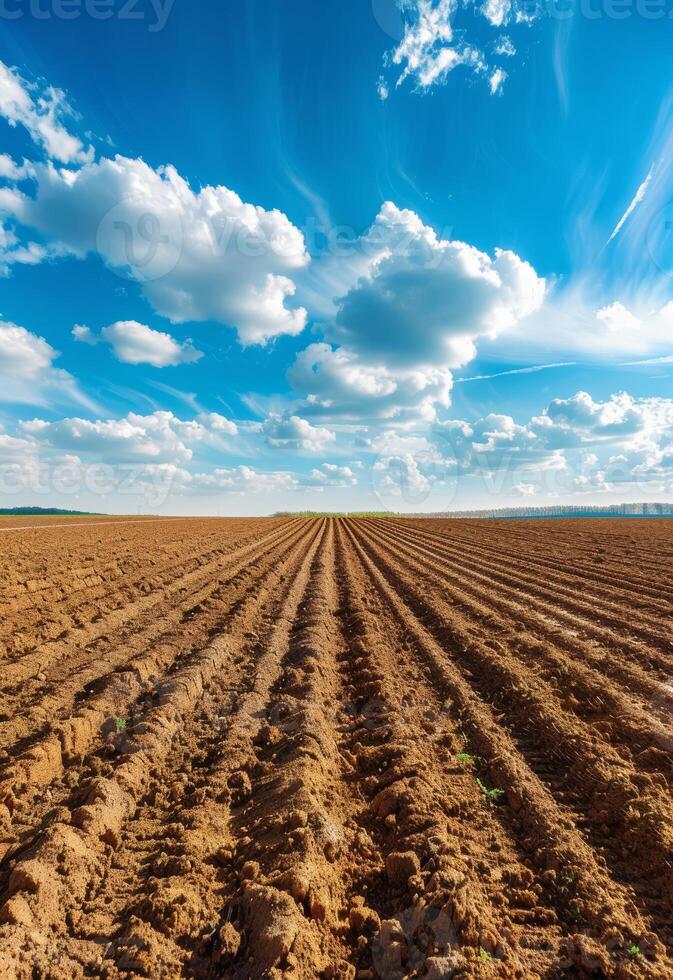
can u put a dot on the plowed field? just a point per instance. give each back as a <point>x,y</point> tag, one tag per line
<point>336,748</point>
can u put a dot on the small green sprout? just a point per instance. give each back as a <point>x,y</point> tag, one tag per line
<point>484,955</point>
<point>120,724</point>
<point>492,795</point>
<point>463,757</point>
<point>634,950</point>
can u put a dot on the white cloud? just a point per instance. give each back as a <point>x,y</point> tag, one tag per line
<point>623,439</point>
<point>428,51</point>
<point>637,199</point>
<point>431,48</point>
<point>9,169</point>
<point>218,423</point>
<point>400,483</point>
<point>413,307</point>
<point>293,432</point>
<point>13,252</point>
<point>136,343</point>
<point>157,438</point>
<point>336,383</point>
<point>27,372</point>
<point>204,256</point>
<point>242,480</point>
<point>13,450</point>
<point>23,355</point>
<point>617,318</point>
<point>424,301</point>
<point>332,475</point>
<point>504,47</point>
<point>41,113</point>
<point>572,325</point>
<point>496,80</point>
<point>84,334</point>
<point>497,12</point>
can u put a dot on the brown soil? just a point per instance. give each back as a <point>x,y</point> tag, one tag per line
<point>337,748</point>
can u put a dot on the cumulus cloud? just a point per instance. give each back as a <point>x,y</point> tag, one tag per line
<point>84,334</point>
<point>218,423</point>
<point>151,455</point>
<point>576,445</point>
<point>160,437</point>
<point>293,432</point>
<point>332,475</point>
<point>136,343</point>
<point>27,372</point>
<point>241,480</point>
<point>198,256</point>
<point>424,300</point>
<point>617,318</point>
<point>41,113</point>
<point>429,51</point>
<point>338,384</point>
<point>414,309</point>
<point>13,450</point>
<point>23,355</point>
<point>9,169</point>
<point>620,439</point>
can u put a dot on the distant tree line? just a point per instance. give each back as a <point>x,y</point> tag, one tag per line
<point>42,511</point>
<point>572,510</point>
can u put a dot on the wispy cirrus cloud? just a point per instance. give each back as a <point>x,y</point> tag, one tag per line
<point>638,197</point>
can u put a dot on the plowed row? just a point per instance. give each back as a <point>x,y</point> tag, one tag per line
<point>337,748</point>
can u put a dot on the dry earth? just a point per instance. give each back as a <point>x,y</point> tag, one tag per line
<point>336,748</point>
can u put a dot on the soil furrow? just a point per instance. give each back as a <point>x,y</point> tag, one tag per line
<point>40,703</point>
<point>337,749</point>
<point>72,851</point>
<point>598,783</point>
<point>569,855</point>
<point>577,602</point>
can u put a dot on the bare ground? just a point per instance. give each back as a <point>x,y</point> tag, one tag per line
<point>337,748</point>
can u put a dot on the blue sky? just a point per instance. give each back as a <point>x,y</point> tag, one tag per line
<point>262,256</point>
